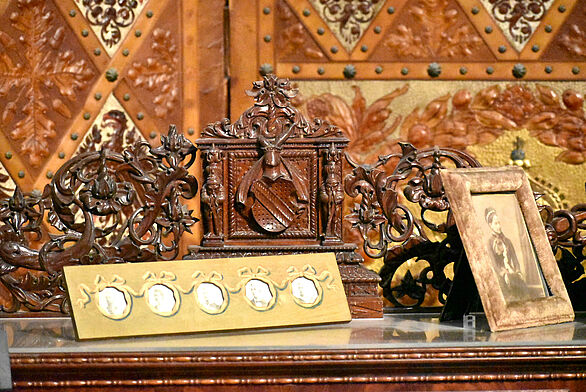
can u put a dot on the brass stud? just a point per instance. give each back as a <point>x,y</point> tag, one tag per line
<point>125,52</point>
<point>475,10</point>
<point>267,38</point>
<point>111,75</point>
<point>140,115</point>
<point>8,155</point>
<point>364,48</point>
<point>306,12</point>
<point>548,28</point>
<point>61,155</point>
<point>84,33</point>
<point>378,29</point>
<point>404,71</point>
<point>463,70</point>
<point>20,174</point>
<point>434,70</point>
<point>137,33</point>
<point>548,69</point>
<point>72,13</point>
<point>190,131</point>
<point>266,10</point>
<point>86,116</point>
<point>502,49</point>
<point>97,51</point>
<point>153,135</point>
<point>321,70</point>
<point>562,8</point>
<point>296,69</point>
<point>391,10</point>
<point>265,69</point>
<point>334,49</point>
<point>74,136</point>
<point>149,14</point>
<point>535,48</point>
<point>488,29</point>
<point>98,96</point>
<point>575,70</point>
<point>126,97</point>
<point>321,31</point>
<point>49,174</point>
<point>519,70</point>
<point>349,71</point>
<point>489,70</point>
<point>378,69</point>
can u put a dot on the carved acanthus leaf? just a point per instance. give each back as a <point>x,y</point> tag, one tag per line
<point>159,74</point>
<point>28,68</point>
<point>293,37</point>
<point>438,34</point>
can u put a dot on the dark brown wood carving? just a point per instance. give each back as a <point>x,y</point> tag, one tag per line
<point>107,207</point>
<point>273,185</point>
<point>392,189</point>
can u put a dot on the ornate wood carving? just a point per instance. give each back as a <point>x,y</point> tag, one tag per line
<point>31,63</point>
<point>390,230</point>
<point>294,41</point>
<point>159,74</point>
<point>437,32</point>
<point>282,176</point>
<point>348,19</point>
<point>109,207</point>
<point>519,18</point>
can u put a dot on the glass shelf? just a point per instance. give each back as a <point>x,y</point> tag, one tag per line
<point>56,335</point>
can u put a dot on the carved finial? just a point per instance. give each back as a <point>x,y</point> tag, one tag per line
<point>272,90</point>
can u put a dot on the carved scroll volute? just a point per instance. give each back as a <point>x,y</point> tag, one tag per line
<point>331,196</point>
<point>213,196</point>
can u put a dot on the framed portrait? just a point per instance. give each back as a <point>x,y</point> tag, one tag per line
<point>509,254</point>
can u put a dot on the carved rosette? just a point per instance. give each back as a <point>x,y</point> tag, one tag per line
<point>137,192</point>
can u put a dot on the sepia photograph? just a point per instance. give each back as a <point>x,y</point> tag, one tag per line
<point>161,299</point>
<point>259,294</point>
<point>507,249</point>
<point>112,303</point>
<point>304,291</point>
<point>210,298</point>
<point>512,254</point>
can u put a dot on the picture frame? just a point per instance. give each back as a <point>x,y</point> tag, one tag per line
<point>508,252</point>
<point>138,299</point>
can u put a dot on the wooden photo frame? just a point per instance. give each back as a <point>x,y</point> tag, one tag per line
<point>509,255</point>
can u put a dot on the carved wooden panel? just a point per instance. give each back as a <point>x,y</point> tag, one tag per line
<point>81,75</point>
<point>500,79</point>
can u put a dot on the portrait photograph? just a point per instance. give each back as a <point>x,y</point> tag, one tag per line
<point>259,294</point>
<point>161,299</point>
<point>506,248</point>
<point>112,302</point>
<point>509,247</point>
<point>304,291</point>
<point>210,298</point>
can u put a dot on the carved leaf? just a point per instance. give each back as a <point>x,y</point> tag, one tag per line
<point>46,66</point>
<point>34,131</point>
<point>159,73</point>
<point>574,41</point>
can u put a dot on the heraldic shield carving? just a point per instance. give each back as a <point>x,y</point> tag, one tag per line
<point>272,184</point>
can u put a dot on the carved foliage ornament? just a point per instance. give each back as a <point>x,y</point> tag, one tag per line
<point>517,18</point>
<point>348,19</point>
<point>93,185</point>
<point>441,34</point>
<point>110,17</point>
<point>390,230</point>
<point>30,65</point>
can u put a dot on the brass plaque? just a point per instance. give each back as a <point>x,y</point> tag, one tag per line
<point>135,299</point>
